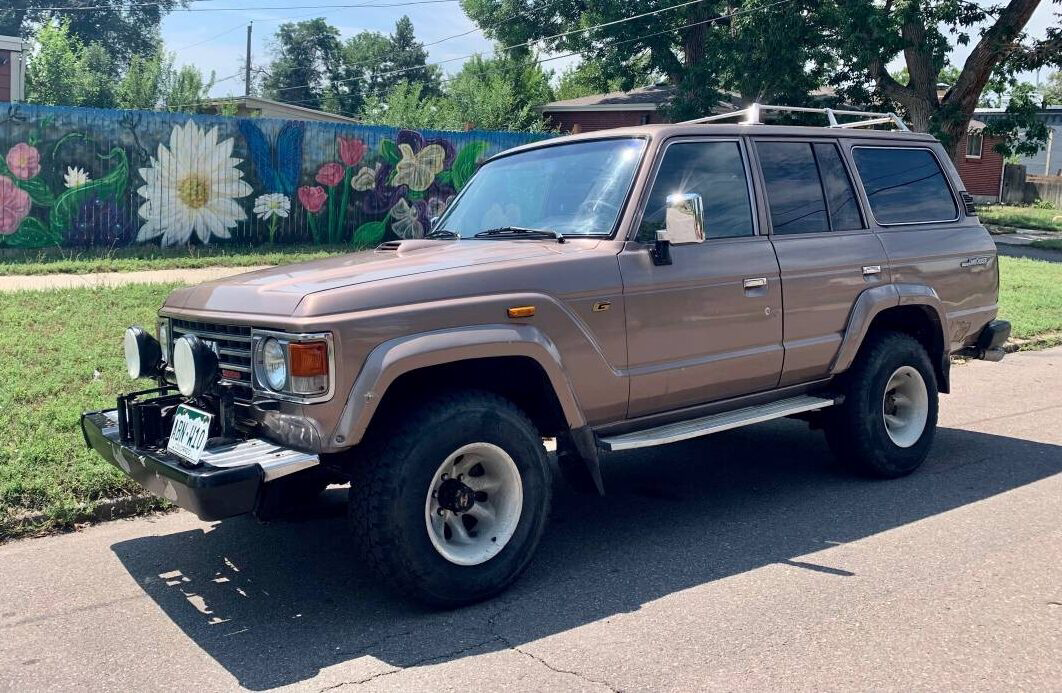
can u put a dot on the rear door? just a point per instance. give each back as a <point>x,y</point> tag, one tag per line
<point>927,234</point>
<point>827,253</point>
<point>708,326</point>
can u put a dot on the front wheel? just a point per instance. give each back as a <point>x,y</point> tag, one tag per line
<point>450,503</point>
<point>886,424</point>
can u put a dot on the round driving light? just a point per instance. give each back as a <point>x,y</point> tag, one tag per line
<point>274,364</point>
<point>143,354</point>
<point>195,365</point>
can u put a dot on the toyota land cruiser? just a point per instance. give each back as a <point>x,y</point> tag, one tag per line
<point>613,290</point>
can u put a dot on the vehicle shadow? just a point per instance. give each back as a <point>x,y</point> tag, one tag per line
<point>274,604</point>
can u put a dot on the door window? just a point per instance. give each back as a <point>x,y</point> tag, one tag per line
<point>794,191</point>
<point>840,196</point>
<point>904,185</point>
<point>714,170</point>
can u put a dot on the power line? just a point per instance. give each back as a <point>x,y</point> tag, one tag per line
<point>610,45</point>
<point>120,8</point>
<point>524,44</point>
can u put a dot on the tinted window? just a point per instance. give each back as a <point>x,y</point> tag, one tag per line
<point>794,192</point>
<point>840,197</point>
<point>904,185</point>
<point>714,170</point>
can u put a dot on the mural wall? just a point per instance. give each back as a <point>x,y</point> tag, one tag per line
<point>80,177</point>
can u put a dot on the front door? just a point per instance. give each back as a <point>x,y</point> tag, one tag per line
<point>709,325</point>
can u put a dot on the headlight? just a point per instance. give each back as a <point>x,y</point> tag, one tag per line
<point>295,367</point>
<point>194,364</point>
<point>143,355</point>
<point>274,364</point>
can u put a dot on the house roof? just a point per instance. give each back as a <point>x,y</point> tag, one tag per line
<point>10,43</point>
<point>640,99</point>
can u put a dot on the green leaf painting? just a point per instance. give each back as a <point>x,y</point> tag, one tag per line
<point>465,163</point>
<point>31,233</point>
<point>111,185</point>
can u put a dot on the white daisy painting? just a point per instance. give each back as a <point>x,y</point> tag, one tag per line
<point>192,186</point>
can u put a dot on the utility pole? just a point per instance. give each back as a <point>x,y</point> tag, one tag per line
<point>247,64</point>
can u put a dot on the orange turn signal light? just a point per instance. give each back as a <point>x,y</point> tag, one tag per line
<point>308,359</point>
<point>521,311</point>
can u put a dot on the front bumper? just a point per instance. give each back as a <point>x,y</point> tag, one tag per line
<point>227,481</point>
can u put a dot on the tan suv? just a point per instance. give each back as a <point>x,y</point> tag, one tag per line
<point>613,290</point>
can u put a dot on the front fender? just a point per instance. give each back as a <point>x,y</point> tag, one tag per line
<point>401,355</point>
<point>875,300</point>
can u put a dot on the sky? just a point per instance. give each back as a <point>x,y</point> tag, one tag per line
<point>216,40</point>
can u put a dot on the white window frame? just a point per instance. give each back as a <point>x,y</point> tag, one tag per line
<point>980,144</point>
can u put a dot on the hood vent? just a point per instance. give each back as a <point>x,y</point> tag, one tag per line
<point>389,247</point>
<point>968,203</point>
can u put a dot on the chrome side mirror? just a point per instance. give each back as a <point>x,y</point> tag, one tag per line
<point>684,221</point>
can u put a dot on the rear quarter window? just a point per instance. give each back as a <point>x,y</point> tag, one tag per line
<point>904,186</point>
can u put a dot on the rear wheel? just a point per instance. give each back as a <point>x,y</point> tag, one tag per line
<point>887,422</point>
<point>450,500</point>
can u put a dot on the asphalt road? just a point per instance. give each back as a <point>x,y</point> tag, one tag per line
<point>742,561</point>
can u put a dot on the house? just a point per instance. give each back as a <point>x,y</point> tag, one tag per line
<point>980,166</point>
<point>12,69</point>
<point>615,109</point>
<point>256,106</point>
<point>1048,161</point>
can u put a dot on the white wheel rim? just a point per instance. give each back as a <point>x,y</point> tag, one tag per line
<point>905,406</point>
<point>471,532</point>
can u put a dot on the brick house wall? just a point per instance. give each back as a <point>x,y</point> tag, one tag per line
<point>590,121</point>
<point>982,176</point>
<point>5,74</point>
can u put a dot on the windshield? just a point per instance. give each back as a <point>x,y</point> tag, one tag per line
<point>573,189</point>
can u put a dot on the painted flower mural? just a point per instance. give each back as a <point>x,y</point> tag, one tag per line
<point>192,186</point>
<point>91,177</point>
<point>14,205</point>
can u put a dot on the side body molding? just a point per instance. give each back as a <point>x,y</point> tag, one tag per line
<point>874,301</point>
<point>395,357</point>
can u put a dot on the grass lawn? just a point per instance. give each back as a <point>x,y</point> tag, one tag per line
<point>62,355</point>
<point>1048,244</point>
<point>1030,296</point>
<point>1021,217</point>
<point>131,259</point>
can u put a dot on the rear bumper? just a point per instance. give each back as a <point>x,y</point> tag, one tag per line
<point>227,482</point>
<point>990,341</point>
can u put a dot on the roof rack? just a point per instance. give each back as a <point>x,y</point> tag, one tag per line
<point>752,116</point>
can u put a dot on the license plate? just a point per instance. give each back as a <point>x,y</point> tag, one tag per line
<point>191,428</point>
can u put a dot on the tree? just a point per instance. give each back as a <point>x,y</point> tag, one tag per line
<point>868,35</point>
<point>308,68</point>
<point>382,62</point>
<point>185,89</point>
<point>500,93</point>
<point>53,73</point>
<point>125,27</point>
<point>406,106</point>
<point>141,87</point>
<point>587,78</point>
<point>98,69</point>
<point>1053,89</point>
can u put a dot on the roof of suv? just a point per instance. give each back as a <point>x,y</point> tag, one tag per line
<point>661,131</point>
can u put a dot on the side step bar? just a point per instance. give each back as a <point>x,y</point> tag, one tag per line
<point>684,430</point>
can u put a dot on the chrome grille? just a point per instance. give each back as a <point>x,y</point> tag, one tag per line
<point>233,345</point>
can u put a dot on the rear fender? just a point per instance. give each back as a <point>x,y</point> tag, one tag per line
<point>393,358</point>
<point>874,301</point>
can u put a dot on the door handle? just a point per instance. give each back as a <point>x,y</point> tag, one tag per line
<point>755,282</point>
<point>868,270</point>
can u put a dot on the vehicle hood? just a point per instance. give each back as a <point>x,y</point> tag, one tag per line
<point>279,290</point>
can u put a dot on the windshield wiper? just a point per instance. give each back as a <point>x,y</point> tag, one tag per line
<point>519,232</point>
<point>442,233</point>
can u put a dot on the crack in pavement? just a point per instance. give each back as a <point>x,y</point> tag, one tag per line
<point>536,658</point>
<point>415,663</point>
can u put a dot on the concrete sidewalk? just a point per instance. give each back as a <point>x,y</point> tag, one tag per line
<point>38,282</point>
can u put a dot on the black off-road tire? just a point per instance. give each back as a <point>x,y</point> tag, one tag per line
<point>856,430</point>
<point>392,478</point>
